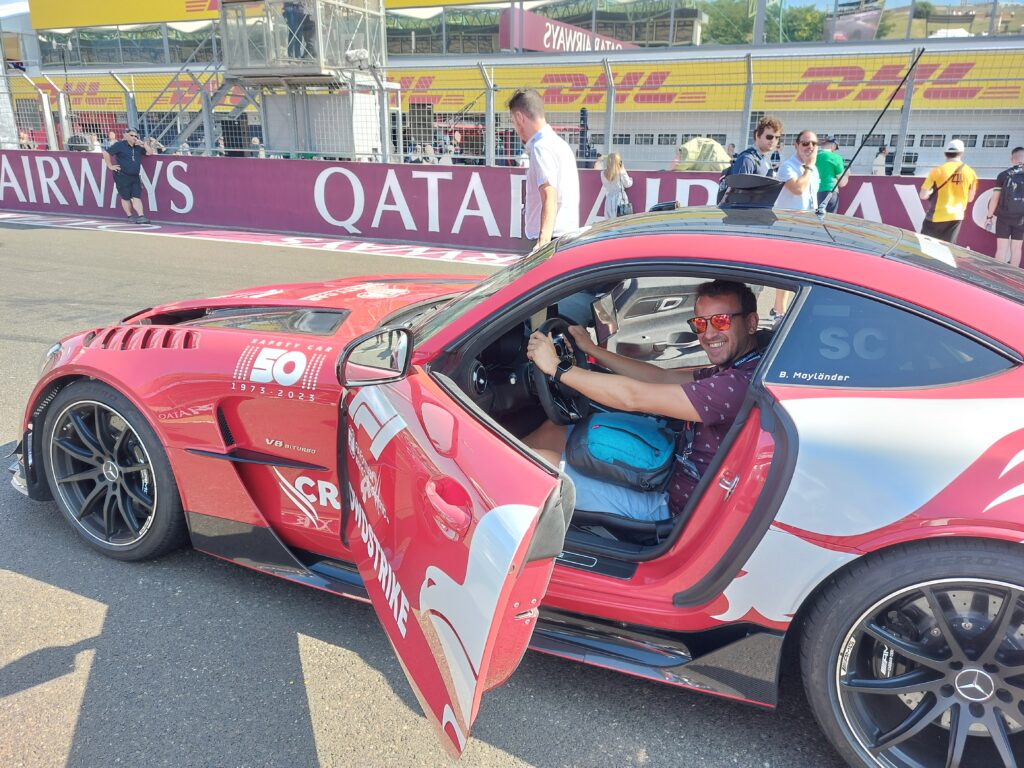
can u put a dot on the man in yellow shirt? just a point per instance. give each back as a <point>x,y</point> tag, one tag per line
<point>954,184</point>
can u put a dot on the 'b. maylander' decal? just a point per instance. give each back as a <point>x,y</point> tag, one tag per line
<point>276,364</point>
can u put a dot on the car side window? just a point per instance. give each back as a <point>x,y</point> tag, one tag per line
<point>843,340</point>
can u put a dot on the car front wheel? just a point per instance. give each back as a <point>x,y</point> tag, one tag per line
<point>914,658</point>
<point>109,473</point>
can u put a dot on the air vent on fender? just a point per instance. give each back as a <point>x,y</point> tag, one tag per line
<point>142,337</point>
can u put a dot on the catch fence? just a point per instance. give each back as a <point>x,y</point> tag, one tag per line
<point>649,110</point>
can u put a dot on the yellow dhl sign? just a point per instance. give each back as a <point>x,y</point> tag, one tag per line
<point>971,80</point>
<point>58,14</point>
<point>100,93</point>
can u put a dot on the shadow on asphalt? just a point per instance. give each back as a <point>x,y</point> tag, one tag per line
<point>198,657</point>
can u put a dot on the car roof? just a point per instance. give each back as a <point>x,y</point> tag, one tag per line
<point>844,232</point>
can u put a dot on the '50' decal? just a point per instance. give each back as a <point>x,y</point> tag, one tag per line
<point>275,365</point>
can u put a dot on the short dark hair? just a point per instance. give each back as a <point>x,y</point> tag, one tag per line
<point>1015,150</point>
<point>527,101</point>
<point>800,136</point>
<point>768,122</point>
<point>716,288</point>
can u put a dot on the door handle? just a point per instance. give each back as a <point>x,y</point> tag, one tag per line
<point>728,485</point>
<point>453,520</point>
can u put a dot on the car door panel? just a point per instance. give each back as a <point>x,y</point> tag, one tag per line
<point>443,518</point>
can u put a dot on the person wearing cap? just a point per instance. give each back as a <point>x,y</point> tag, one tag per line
<point>953,185</point>
<point>124,158</point>
<point>830,173</point>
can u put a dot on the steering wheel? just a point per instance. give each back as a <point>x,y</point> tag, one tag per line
<point>563,405</point>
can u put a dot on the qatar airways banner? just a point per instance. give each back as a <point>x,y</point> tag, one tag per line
<point>532,32</point>
<point>456,205</point>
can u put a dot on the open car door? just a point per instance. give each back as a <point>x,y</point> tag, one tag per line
<point>454,531</point>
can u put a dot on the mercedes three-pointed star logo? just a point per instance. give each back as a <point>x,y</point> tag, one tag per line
<point>975,685</point>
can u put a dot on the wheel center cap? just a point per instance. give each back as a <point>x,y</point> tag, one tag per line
<point>975,685</point>
<point>110,471</point>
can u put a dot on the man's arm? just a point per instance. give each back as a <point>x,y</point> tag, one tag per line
<point>612,390</point>
<point>993,201</point>
<point>548,209</point>
<point>798,185</point>
<point>627,366</point>
<point>110,164</point>
<point>926,187</point>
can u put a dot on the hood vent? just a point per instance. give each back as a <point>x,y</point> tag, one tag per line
<point>141,337</point>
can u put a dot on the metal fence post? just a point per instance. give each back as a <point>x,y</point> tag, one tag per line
<point>901,139</point>
<point>63,113</point>
<point>609,107</point>
<point>206,105</point>
<point>47,113</point>
<point>8,116</point>
<point>131,110</point>
<point>748,101</point>
<point>759,18</point>
<point>384,119</point>
<point>490,136</point>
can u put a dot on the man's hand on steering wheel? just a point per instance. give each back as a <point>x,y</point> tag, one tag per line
<point>561,405</point>
<point>541,351</point>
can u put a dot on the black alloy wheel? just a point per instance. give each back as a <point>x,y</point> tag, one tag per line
<point>109,474</point>
<point>930,674</point>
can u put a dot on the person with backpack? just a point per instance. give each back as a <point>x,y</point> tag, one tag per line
<point>954,184</point>
<point>1006,209</point>
<point>757,158</point>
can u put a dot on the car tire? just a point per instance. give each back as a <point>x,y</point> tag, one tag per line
<point>915,656</point>
<point>110,475</point>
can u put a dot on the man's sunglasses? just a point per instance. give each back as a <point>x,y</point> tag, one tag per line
<point>770,136</point>
<point>720,322</point>
<point>806,143</point>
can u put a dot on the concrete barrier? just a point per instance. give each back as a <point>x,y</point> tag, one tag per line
<point>456,205</point>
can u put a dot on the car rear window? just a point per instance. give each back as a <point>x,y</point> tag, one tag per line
<point>847,341</point>
<point>961,263</point>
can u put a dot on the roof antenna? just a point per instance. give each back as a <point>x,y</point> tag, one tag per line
<point>820,210</point>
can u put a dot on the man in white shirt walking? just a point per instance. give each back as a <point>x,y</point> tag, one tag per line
<point>800,176</point>
<point>552,181</point>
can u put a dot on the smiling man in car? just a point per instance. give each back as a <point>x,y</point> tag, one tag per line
<point>726,326</point>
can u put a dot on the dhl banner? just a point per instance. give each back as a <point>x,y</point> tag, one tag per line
<point>947,80</point>
<point>971,80</point>
<point>101,93</point>
<point>58,14</point>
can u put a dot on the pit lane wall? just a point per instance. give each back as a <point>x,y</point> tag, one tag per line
<point>456,205</point>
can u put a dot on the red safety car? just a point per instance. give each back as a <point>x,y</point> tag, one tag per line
<point>364,436</point>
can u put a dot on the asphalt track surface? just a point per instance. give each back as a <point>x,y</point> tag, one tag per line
<point>190,661</point>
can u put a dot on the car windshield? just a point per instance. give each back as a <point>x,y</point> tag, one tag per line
<point>449,313</point>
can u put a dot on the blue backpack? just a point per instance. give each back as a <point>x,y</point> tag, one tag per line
<point>624,449</point>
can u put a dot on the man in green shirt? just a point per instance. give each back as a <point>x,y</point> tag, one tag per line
<point>830,169</point>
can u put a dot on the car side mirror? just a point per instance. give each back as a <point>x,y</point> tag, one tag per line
<point>377,357</point>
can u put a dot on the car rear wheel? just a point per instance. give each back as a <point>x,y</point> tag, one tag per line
<point>109,474</point>
<point>915,658</point>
